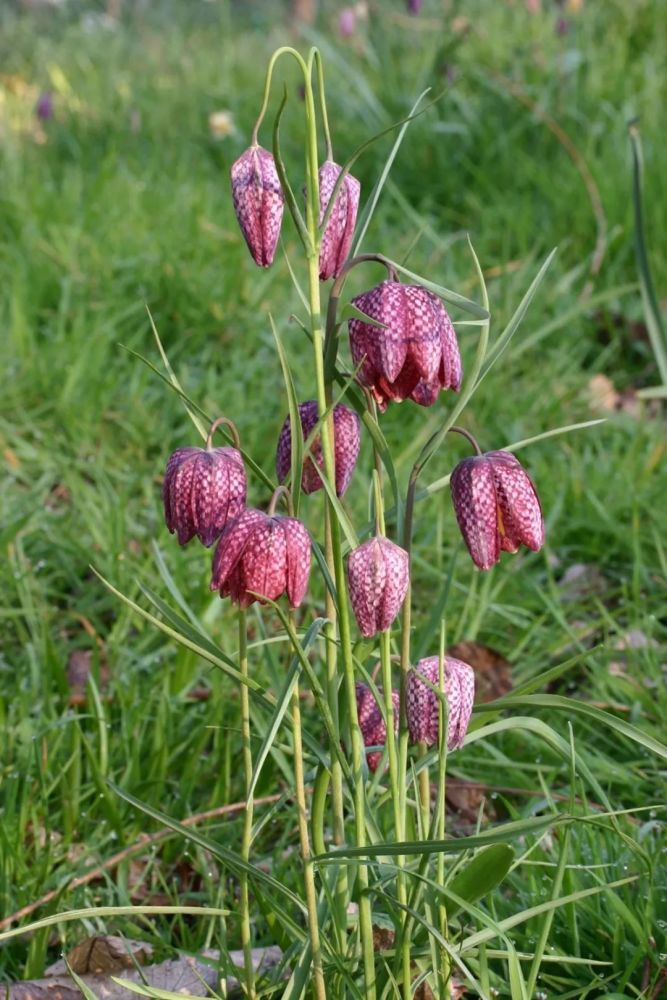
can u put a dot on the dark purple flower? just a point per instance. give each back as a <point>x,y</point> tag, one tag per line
<point>414,354</point>
<point>422,703</point>
<point>262,554</point>
<point>337,237</point>
<point>496,506</point>
<point>378,574</point>
<point>372,725</point>
<point>258,202</point>
<point>414,6</point>
<point>44,106</point>
<point>346,447</point>
<point>204,488</point>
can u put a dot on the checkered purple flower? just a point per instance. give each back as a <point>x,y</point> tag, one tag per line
<point>414,354</point>
<point>258,202</point>
<point>264,555</point>
<point>346,447</point>
<point>378,574</point>
<point>372,725</point>
<point>422,703</point>
<point>496,506</point>
<point>204,489</point>
<point>338,235</point>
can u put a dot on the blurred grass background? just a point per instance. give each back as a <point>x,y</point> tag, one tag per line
<point>121,200</point>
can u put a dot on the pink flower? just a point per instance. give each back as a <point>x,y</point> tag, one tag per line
<point>372,724</point>
<point>258,202</point>
<point>337,237</point>
<point>378,575</point>
<point>422,703</point>
<point>346,447</point>
<point>204,488</point>
<point>263,555</point>
<point>347,22</point>
<point>496,506</point>
<point>415,355</point>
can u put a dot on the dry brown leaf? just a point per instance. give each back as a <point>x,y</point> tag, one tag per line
<point>182,975</point>
<point>102,954</point>
<point>78,672</point>
<point>464,800</point>
<point>493,672</point>
<point>605,397</point>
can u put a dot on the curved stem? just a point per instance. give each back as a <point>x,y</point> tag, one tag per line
<point>283,50</point>
<point>220,422</point>
<point>330,340</point>
<point>466,434</point>
<point>316,56</point>
<point>244,902</point>
<point>281,491</point>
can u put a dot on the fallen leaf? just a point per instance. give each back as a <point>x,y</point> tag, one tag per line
<point>78,672</point>
<point>185,975</point>
<point>103,953</point>
<point>605,398</point>
<point>493,672</point>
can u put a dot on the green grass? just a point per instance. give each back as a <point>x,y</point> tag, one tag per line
<point>103,219</point>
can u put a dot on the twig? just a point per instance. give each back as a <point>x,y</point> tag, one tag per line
<point>127,852</point>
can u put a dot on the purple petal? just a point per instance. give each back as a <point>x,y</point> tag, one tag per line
<point>475,504</point>
<point>231,544</point>
<point>518,502</point>
<point>298,559</point>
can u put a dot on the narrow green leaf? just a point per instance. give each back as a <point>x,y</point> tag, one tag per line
<point>96,912</point>
<point>505,337</point>
<point>191,409</point>
<point>447,294</point>
<point>483,873</point>
<point>296,430</point>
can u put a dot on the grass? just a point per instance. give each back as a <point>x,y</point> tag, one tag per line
<point>126,204</point>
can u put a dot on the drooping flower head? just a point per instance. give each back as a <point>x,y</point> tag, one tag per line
<point>258,202</point>
<point>204,489</point>
<point>496,506</point>
<point>378,574</point>
<point>422,703</point>
<point>372,725</point>
<point>414,6</point>
<point>346,447</point>
<point>262,554</point>
<point>414,354</point>
<point>337,237</point>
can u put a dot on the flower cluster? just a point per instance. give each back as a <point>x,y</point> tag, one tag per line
<point>403,346</point>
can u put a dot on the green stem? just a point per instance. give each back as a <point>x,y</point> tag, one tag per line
<point>244,903</point>
<point>315,54</point>
<point>283,50</point>
<point>327,432</point>
<point>308,870</point>
<point>445,964</point>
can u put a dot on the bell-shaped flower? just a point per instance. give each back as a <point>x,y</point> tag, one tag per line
<point>204,489</point>
<point>413,353</point>
<point>262,556</point>
<point>337,237</point>
<point>422,703</point>
<point>496,506</point>
<point>346,447</point>
<point>258,202</point>
<point>371,722</point>
<point>378,574</point>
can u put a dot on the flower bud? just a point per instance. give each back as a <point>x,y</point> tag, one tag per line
<point>337,237</point>
<point>378,574</point>
<point>258,202</point>
<point>260,555</point>
<point>422,703</point>
<point>204,488</point>
<point>496,506</point>
<point>346,447</point>
<point>372,725</point>
<point>414,354</point>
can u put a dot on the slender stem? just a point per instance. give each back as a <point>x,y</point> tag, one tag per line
<point>281,491</point>
<point>283,50</point>
<point>444,965</point>
<point>315,54</point>
<point>308,870</point>
<point>244,903</point>
<point>232,428</point>
<point>468,435</point>
<point>323,397</point>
